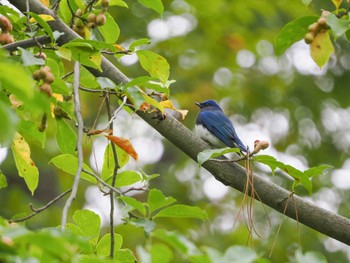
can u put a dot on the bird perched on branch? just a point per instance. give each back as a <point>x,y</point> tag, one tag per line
<point>214,127</point>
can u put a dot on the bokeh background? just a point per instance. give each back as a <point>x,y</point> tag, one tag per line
<point>222,50</point>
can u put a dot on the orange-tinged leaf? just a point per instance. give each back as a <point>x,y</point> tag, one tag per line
<point>45,2</point>
<point>321,48</point>
<point>145,107</point>
<point>169,104</point>
<point>119,47</point>
<point>44,17</point>
<point>124,144</point>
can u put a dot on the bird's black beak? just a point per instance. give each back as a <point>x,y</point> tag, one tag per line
<point>198,104</point>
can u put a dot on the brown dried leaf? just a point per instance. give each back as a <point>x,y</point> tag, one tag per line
<point>124,144</point>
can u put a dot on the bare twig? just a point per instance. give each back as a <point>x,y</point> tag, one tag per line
<point>39,210</point>
<point>103,182</point>
<point>116,167</point>
<point>114,115</point>
<point>77,110</point>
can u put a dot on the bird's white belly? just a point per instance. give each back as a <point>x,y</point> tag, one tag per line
<point>207,136</point>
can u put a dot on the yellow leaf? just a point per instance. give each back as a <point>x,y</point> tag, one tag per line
<point>124,144</point>
<point>58,97</point>
<point>44,17</point>
<point>25,165</point>
<point>337,3</point>
<point>45,2</point>
<point>168,104</point>
<point>321,48</point>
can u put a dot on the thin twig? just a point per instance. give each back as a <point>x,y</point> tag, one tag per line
<point>39,210</point>
<point>116,167</point>
<point>77,110</point>
<point>114,115</point>
<point>103,182</point>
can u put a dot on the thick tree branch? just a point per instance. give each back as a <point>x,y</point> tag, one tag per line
<point>231,174</point>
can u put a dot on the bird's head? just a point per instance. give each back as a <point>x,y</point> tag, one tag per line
<point>208,104</point>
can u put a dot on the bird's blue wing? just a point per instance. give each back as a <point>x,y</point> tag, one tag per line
<point>219,125</point>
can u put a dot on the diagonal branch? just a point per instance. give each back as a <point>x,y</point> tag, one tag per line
<point>231,174</point>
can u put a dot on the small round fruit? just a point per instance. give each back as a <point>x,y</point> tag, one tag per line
<point>105,3</point>
<point>91,17</point>
<point>46,88</point>
<point>78,12</point>
<point>5,24</point>
<point>6,39</point>
<point>49,78</point>
<point>41,55</point>
<point>100,19</point>
<point>308,38</point>
<point>36,75</point>
<point>313,27</point>
<point>322,21</point>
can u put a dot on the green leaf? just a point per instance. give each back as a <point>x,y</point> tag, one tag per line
<point>148,177</point>
<point>108,163</point>
<point>204,156</point>
<point>147,225</point>
<point>9,121</point>
<point>21,86</point>
<point>110,30</point>
<point>139,42</point>
<point>125,256</point>
<point>154,64</point>
<point>293,32</point>
<point>64,11</point>
<point>175,240</point>
<point>156,5</point>
<point>3,181</point>
<point>43,24</point>
<point>69,164</point>
<point>184,211</point>
<point>136,97</point>
<point>269,161</point>
<point>84,51</point>
<point>29,129</point>
<point>127,178</point>
<point>321,48</point>
<point>306,2</point>
<point>157,200</point>
<point>118,3</point>
<point>150,83</point>
<point>338,25</point>
<point>106,83</point>
<point>317,170</point>
<point>25,165</point>
<point>104,245</point>
<point>161,253</point>
<point>130,201</point>
<point>29,59</point>
<point>298,176</point>
<point>66,137</point>
<point>89,224</point>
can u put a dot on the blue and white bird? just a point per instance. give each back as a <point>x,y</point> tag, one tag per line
<point>214,127</point>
